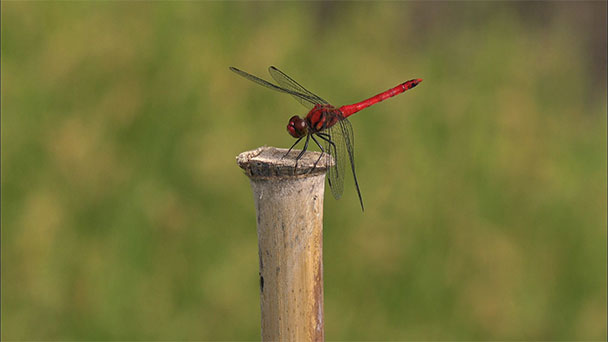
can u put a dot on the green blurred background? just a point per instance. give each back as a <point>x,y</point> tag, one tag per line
<point>125,216</point>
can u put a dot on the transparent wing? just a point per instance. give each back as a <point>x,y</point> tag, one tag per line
<point>340,143</point>
<point>305,99</point>
<point>288,83</point>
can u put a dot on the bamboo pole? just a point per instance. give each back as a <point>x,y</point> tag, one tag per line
<point>289,209</point>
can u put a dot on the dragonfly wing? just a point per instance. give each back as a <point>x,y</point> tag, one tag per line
<point>288,83</point>
<point>303,98</point>
<point>340,143</point>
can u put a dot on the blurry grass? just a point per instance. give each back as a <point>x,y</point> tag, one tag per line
<point>125,217</point>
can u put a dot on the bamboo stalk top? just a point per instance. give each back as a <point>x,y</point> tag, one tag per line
<point>271,162</point>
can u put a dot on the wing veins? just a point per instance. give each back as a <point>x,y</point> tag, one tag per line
<point>275,87</point>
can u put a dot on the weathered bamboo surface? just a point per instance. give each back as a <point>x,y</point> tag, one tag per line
<point>289,209</point>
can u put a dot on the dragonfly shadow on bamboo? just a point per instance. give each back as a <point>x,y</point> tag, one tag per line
<point>327,126</point>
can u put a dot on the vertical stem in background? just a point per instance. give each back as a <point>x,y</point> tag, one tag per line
<point>289,213</point>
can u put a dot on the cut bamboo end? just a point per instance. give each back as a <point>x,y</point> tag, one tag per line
<point>289,209</point>
<point>272,162</point>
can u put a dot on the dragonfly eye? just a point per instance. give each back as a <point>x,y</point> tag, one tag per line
<point>296,127</point>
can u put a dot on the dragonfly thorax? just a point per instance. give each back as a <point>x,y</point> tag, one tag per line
<point>320,118</point>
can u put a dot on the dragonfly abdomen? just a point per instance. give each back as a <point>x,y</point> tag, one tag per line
<point>349,110</point>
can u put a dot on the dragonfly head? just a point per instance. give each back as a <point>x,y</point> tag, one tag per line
<point>297,127</point>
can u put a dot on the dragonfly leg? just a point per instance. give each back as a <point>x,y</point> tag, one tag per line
<point>331,144</point>
<point>292,146</point>
<point>327,138</point>
<point>302,152</point>
<point>322,153</point>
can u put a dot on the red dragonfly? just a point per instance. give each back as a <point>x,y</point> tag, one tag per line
<point>326,122</point>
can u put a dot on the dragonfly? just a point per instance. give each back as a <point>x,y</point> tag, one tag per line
<point>327,126</point>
